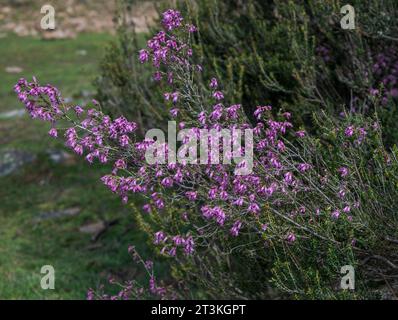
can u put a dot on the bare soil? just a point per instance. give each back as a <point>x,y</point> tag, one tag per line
<point>23,17</point>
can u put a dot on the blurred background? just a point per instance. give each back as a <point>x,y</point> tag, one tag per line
<point>50,212</point>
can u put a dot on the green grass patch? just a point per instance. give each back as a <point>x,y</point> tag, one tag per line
<point>68,64</point>
<point>26,242</point>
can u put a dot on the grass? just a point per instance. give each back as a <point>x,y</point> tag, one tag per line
<point>60,62</point>
<point>27,244</point>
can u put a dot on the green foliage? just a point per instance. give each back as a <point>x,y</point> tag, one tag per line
<point>267,52</point>
<point>125,86</point>
<point>271,52</point>
<point>309,268</point>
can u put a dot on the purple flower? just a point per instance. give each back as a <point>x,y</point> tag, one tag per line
<point>218,95</point>
<point>172,19</point>
<point>120,164</point>
<point>349,131</point>
<point>291,237</point>
<point>172,252</point>
<point>78,110</point>
<point>157,76</point>
<point>281,146</point>
<point>167,182</point>
<point>174,112</point>
<point>343,171</point>
<point>215,212</point>
<point>288,177</point>
<point>336,214</point>
<point>300,133</point>
<point>78,149</point>
<point>212,193</point>
<point>287,115</point>
<point>238,202</point>
<point>149,264</point>
<point>374,92</point>
<point>189,245</point>
<point>235,228</point>
<point>341,194</point>
<point>191,195</point>
<point>259,111</point>
<point>304,167</point>
<point>53,132</point>
<point>254,208</point>
<point>90,158</point>
<point>217,113</point>
<point>147,208</point>
<point>144,55</point>
<point>394,92</point>
<point>159,237</point>
<point>232,111</point>
<point>347,209</point>
<point>213,83</point>
<point>178,240</point>
<point>174,96</point>
<point>90,294</point>
<point>202,117</point>
<point>191,28</point>
<point>124,141</point>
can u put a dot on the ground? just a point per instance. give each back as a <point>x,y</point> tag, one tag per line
<point>54,203</point>
<point>71,16</point>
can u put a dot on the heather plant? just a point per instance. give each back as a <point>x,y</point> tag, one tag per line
<point>292,55</point>
<point>126,87</point>
<point>310,205</point>
<point>132,289</point>
<point>295,55</point>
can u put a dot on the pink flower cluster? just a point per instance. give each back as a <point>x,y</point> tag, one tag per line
<point>170,244</point>
<point>385,70</point>
<point>30,94</point>
<point>280,176</point>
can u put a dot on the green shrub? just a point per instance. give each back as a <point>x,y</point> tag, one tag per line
<point>294,56</point>
<point>125,86</point>
<point>247,267</point>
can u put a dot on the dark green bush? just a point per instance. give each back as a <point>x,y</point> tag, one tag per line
<point>273,52</point>
<point>125,86</point>
<point>294,56</point>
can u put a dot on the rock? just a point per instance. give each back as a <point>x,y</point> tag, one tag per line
<point>81,52</point>
<point>23,30</point>
<point>17,113</point>
<point>72,16</point>
<point>61,156</point>
<point>12,160</point>
<point>13,69</point>
<point>58,34</point>
<point>70,212</point>
<point>87,93</point>
<point>6,10</point>
<point>79,24</point>
<point>93,228</point>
